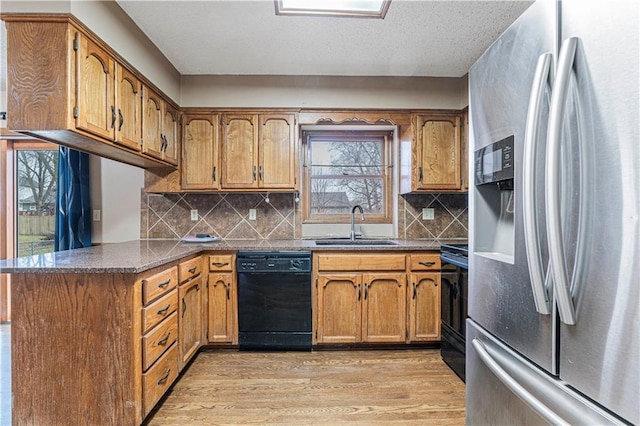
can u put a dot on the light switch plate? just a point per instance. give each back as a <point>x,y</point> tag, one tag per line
<point>194,215</point>
<point>97,215</point>
<point>428,214</point>
<point>252,214</point>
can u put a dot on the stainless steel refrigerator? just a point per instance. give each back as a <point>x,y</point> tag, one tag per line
<point>553,333</point>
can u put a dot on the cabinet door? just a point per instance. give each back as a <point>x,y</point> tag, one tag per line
<point>384,316</point>
<point>438,152</point>
<point>128,102</point>
<point>95,79</point>
<point>277,162</point>
<point>152,143</point>
<point>170,132</point>
<point>222,325</point>
<point>339,308</point>
<point>424,307</point>
<point>464,149</point>
<point>189,319</point>
<point>239,151</point>
<point>200,152</point>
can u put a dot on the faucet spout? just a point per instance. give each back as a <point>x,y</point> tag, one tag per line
<point>353,220</point>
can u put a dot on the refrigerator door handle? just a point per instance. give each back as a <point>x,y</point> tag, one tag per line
<point>515,387</point>
<point>566,308</point>
<point>541,294</point>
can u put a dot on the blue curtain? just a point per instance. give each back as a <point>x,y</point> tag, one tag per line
<point>73,209</point>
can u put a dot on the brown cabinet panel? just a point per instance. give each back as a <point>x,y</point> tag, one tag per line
<point>189,269</point>
<point>339,308</point>
<point>155,342</point>
<point>362,262</point>
<point>277,165</point>
<point>425,262</point>
<point>424,306</point>
<point>171,133</point>
<point>152,124</point>
<point>438,149</point>
<point>189,319</point>
<point>159,310</point>
<point>128,101</point>
<point>158,284</point>
<point>95,78</point>
<point>222,314</point>
<point>221,262</point>
<point>239,151</point>
<point>384,307</point>
<point>159,378</point>
<point>200,152</point>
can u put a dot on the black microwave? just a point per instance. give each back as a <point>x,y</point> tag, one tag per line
<point>494,163</point>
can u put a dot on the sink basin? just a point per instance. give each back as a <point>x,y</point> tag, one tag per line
<point>348,242</point>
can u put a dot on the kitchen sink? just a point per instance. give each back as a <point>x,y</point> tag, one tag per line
<point>358,242</point>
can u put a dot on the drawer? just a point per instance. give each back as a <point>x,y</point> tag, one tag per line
<point>189,269</point>
<point>157,380</point>
<point>158,284</point>
<point>367,262</point>
<point>155,342</point>
<point>159,310</point>
<point>425,262</point>
<point>223,262</point>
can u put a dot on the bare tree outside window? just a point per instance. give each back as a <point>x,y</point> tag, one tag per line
<point>36,175</point>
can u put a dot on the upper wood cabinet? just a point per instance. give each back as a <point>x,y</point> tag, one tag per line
<point>435,162</point>
<point>199,167</point>
<point>74,90</point>
<point>159,128</point>
<point>258,151</point>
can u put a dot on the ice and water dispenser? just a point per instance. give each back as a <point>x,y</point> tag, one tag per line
<point>495,200</point>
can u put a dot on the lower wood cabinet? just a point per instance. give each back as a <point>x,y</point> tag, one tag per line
<point>423,297</point>
<point>190,308</point>
<point>366,304</point>
<point>222,324</point>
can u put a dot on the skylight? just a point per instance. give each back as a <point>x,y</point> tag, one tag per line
<point>359,8</point>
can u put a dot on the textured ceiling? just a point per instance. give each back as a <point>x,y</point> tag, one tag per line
<point>436,38</point>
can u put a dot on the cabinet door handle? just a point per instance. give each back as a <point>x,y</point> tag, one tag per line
<point>163,284</point>
<point>254,173</point>
<point>163,144</point>
<point>164,378</point>
<point>164,310</point>
<point>213,173</point>
<point>121,117</point>
<point>414,291</point>
<point>113,116</point>
<point>366,291</point>
<point>184,307</point>
<point>219,264</point>
<point>164,340</point>
<point>192,270</point>
<point>260,172</point>
<point>228,291</point>
<point>427,263</point>
<point>358,291</point>
<point>420,173</point>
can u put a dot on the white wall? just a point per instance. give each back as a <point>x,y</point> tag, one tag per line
<point>322,92</point>
<point>115,191</point>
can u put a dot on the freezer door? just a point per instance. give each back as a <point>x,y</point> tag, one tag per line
<point>502,388</point>
<point>500,82</point>
<point>599,355</point>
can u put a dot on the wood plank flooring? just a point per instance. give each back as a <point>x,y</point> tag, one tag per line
<point>373,387</point>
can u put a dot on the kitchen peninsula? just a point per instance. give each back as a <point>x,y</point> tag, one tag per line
<point>108,329</point>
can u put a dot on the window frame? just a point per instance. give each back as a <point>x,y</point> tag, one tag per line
<point>387,136</point>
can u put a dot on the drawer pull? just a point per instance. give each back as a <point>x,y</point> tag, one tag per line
<point>164,310</point>
<point>164,340</point>
<point>427,263</point>
<point>164,378</point>
<point>163,284</point>
<point>193,269</point>
<point>219,264</point>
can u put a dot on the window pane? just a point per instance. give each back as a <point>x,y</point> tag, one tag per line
<point>339,195</point>
<point>348,157</point>
<point>36,173</point>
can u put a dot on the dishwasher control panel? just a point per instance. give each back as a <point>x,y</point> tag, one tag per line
<point>273,262</point>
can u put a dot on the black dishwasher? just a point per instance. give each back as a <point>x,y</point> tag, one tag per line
<point>274,300</point>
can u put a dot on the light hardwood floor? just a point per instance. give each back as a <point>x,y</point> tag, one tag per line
<point>323,387</point>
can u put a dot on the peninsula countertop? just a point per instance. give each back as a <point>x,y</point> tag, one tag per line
<point>141,255</point>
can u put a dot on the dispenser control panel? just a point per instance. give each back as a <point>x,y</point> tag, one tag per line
<point>494,163</point>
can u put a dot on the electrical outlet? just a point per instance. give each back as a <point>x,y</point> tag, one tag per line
<point>96,215</point>
<point>428,214</point>
<point>194,215</point>
<point>252,214</point>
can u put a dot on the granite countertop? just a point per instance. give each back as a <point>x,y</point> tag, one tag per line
<point>141,255</point>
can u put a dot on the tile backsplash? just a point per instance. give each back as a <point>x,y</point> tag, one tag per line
<point>227,216</point>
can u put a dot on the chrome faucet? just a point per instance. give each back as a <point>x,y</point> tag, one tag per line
<point>353,220</point>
